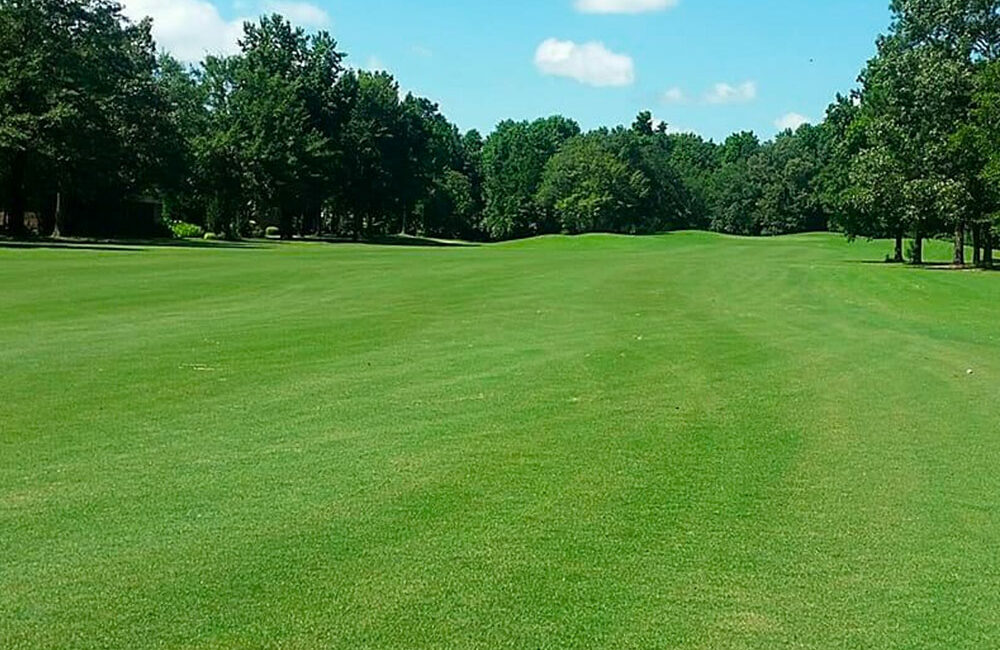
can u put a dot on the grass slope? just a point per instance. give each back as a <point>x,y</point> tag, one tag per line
<point>687,441</point>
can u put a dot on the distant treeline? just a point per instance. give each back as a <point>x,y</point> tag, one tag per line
<point>284,135</point>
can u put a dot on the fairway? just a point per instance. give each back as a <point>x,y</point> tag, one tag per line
<point>682,441</point>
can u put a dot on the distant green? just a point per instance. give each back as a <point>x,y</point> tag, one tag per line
<point>686,441</point>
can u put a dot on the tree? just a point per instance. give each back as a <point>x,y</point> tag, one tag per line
<point>913,99</point>
<point>322,69</point>
<point>433,150</point>
<point>591,189</point>
<point>38,61</point>
<point>966,28</point>
<point>735,196</point>
<point>281,144</point>
<point>647,148</point>
<point>189,116</point>
<point>695,161</point>
<point>791,198</point>
<point>450,209</point>
<point>83,116</point>
<point>514,158</point>
<point>982,136</point>
<point>839,144</point>
<point>739,147</point>
<point>376,152</point>
<point>873,204</point>
<point>950,39</point>
<point>217,150</point>
<point>472,168</point>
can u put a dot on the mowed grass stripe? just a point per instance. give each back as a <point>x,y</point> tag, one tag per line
<point>686,441</point>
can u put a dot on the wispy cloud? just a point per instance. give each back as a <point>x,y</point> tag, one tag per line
<point>723,93</point>
<point>623,6</point>
<point>303,14</point>
<point>791,121</point>
<point>673,95</point>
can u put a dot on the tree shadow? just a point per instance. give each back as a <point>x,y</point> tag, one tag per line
<point>393,240</point>
<point>948,266</point>
<point>33,245</point>
<point>907,265</point>
<point>188,243</point>
<point>122,245</point>
<point>875,263</point>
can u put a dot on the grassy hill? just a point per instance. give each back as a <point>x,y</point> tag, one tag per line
<point>687,441</point>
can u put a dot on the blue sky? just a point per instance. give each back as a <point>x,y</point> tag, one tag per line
<point>709,66</point>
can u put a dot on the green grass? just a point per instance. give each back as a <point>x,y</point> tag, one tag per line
<point>686,441</point>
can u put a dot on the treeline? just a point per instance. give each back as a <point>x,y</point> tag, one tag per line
<point>285,137</point>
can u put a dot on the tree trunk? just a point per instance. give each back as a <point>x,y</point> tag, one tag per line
<point>285,223</point>
<point>898,255</point>
<point>988,246</point>
<point>15,194</point>
<point>918,249</point>
<point>316,220</point>
<point>977,244</point>
<point>57,222</point>
<point>47,217</point>
<point>960,244</point>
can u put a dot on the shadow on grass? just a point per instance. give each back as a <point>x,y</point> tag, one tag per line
<point>32,245</point>
<point>923,265</point>
<point>392,240</point>
<point>948,266</point>
<point>139,245</point>
<point>928,266</point>
<point>120,245</point>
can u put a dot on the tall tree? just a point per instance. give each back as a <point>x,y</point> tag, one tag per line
<point>913,99</point>
<point>374,151</point>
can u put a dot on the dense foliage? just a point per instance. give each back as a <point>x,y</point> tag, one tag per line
<point>95,127</point>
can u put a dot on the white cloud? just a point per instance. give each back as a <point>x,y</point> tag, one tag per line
<point>623,6</point>
<point>422,51</point>
<point>190,29</point>
<point>302,14</point>
<point>723,93</point>
<point>589,63</point>
<point>791,121</point>
<point>673,95</point>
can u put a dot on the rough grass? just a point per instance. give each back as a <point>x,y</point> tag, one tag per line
<point>687,441</point>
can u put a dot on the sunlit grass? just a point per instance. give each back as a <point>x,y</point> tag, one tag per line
<point>685,441</point>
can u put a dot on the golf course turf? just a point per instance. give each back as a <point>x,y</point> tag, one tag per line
<point>683,441</point>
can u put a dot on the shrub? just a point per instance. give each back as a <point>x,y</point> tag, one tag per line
<point>272,232</point>
<point>211,236</point>
<point>183,230</point>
